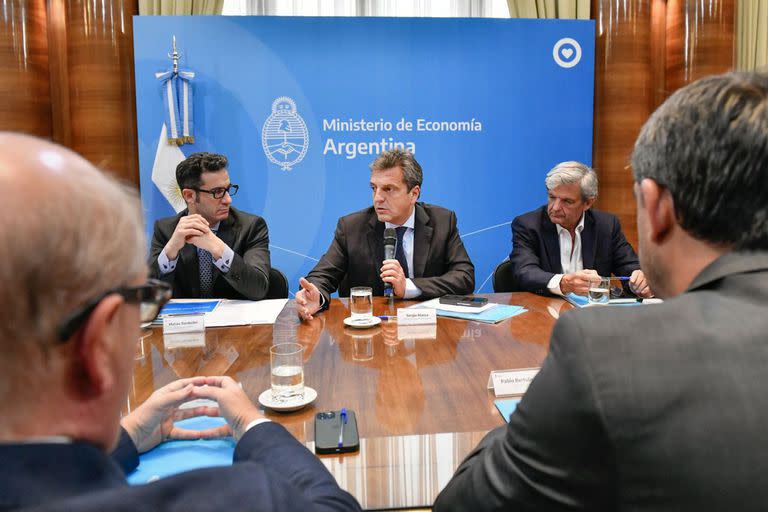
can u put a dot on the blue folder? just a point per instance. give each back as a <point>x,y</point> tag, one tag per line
<point>507,407</point>
<point>186,308</point>
<point>189,308</point>
<point>173,457</point>
<point>581,301</point>
<point>490,316</point>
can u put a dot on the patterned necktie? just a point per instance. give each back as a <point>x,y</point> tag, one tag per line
<point>206,272</point>
<point>400,251</point>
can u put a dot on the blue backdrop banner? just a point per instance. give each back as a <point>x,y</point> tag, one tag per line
<point>301,107</point>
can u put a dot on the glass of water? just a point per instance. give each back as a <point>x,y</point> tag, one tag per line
<point>599,291</point>
<point>361,304</point>
<point>287,364</point>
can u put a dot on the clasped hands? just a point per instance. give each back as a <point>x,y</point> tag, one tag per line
<point>578,283</point>
<point>194,229</point>
<point>153,421</point>
<point>308,297</point>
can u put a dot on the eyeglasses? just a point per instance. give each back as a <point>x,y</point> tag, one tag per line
<point>151,298</point>
<point>218,193</point>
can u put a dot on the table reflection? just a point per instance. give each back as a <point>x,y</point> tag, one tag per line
<point>419,392</point>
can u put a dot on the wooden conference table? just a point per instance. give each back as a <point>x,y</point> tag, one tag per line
<point>421,398</point>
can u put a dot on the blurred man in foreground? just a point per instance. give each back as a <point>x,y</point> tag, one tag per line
<point>659,407</point>
<point>74,292</point>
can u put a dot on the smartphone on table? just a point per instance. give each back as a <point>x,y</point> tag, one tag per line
<point>336,432</point>
<point>463,300</point>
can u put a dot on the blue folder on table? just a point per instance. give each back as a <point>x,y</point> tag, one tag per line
<point>189,308</point>
<point>186,308</point>
<point>507,407</point>
<point>173,457</point>
<point>581,301</point>
<point>490,316</point>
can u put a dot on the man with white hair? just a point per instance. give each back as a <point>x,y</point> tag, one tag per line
<point>563,246</point>
<point>74,293</point>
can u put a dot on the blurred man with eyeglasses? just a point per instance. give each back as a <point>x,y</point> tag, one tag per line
<point>74,291</point>
<point>210,249</point>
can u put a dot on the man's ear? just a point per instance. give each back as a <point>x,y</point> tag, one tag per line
<point>659,208</point>
<point>189,195</point>
<point>589,202</point>
<point>93,369</point>
<point>416,191</point>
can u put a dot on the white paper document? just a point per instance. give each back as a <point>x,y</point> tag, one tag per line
<point>245,312</point>
<point>435,303</point>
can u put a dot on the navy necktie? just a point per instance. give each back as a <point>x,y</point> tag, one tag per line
<point>400,251</point>
<point>206,272</point>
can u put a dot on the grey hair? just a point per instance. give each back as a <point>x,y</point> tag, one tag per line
<point>412,174</point>
<point>566,173</point>
<point>708,145</point>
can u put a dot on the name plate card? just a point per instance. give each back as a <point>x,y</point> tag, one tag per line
<point>183,340</point>
<point>174,324</point>
<point>416,316</point>
<point>511,382</point>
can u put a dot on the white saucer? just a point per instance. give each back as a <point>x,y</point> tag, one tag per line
<point>362,324</point>
<point>265,399</point>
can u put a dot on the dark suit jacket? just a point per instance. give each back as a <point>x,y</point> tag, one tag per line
<point>440,263</point>
<point>248,276</point>
<point>535,253</point>
<point>661,407</point>
<point>271,471</point>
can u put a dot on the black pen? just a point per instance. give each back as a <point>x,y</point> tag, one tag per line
<point>341,427</point>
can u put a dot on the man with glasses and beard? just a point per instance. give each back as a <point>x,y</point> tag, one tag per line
<point>74,292</point>
<point>210,249</point>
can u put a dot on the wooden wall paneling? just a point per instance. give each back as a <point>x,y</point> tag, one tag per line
<point>676,70</point>
<point>700,40</point>
<point>101,84</point>
<point>25,104</point>
<point>623,100</point>
<point>658,52</point>
<point>59,73</point>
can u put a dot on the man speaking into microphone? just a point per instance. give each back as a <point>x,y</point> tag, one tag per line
<point>429,257</point>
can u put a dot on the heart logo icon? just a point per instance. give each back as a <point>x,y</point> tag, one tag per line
<point>567,52</point>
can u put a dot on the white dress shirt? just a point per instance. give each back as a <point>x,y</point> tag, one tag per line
<point>411,290</point>
<point>570,255</point>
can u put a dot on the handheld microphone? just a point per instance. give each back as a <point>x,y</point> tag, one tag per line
<point>390,241</point>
